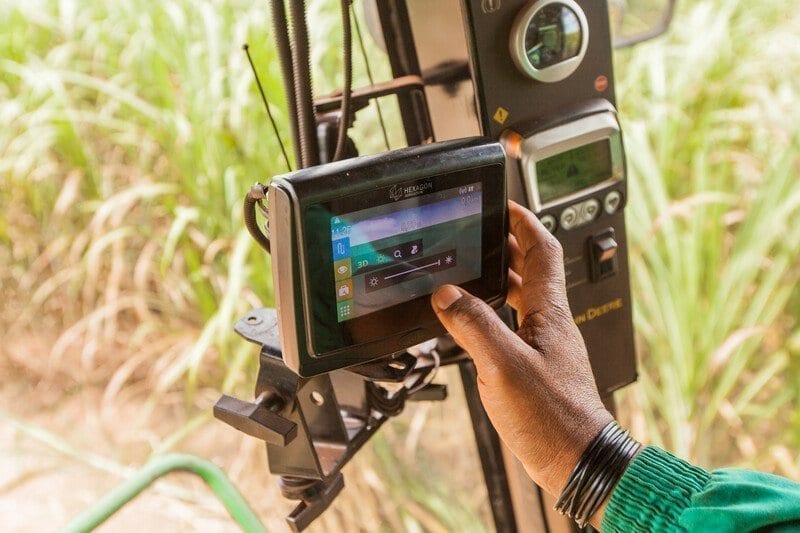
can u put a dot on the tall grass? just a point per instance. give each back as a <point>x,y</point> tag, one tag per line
<point>714,156</point>
<point>131,129</point>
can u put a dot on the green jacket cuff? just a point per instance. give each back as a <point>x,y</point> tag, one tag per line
<point>655,489</point>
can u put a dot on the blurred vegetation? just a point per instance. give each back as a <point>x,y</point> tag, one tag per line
<point>714,156</point>
<point>131,129</point>
<point>129,135</point>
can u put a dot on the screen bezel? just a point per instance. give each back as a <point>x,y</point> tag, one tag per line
<point>325,334</point>
<point>550,142</point>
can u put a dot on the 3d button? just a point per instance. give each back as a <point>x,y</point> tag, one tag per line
<point>549,222</point>
<point>569,218</point>
<point>612,202</point>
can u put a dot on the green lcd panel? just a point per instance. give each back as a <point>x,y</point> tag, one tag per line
<point>573,170</point>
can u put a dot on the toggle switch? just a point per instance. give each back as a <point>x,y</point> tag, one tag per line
<point>603,249</point>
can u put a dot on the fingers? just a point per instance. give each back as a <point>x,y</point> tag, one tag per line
<point>476,328</point>
<point>535,242</point>
<point>515,256</point>
<point>542,262</point>
<point>514,296</point>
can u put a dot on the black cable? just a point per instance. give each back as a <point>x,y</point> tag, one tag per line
<point>370,78</point>
<point>379,399</point>
<point>246,49</point>
<point>280,27</point>
<point>304,102</point>
<point>256,194</point>
<point>347,87</point>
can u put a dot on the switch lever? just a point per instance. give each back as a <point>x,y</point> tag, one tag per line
<point>603,249</point>
<point>256,419</point>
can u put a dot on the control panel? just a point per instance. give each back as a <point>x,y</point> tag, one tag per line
<point>541,81</point>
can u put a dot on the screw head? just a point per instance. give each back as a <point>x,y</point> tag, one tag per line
<point>253,320</point>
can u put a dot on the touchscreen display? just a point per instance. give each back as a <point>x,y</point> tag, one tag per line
<point>395,252</point>
<point>573,170</point>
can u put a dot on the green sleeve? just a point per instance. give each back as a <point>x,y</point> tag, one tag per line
<point>660,492</point>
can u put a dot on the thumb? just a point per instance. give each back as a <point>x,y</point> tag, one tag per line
<point>477,329</point>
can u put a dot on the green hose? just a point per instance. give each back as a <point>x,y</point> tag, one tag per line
<point>233,501</point>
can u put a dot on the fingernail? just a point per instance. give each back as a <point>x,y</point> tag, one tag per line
<point>445,296</point>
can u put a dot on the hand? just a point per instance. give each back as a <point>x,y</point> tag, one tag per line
<point>536,385</point>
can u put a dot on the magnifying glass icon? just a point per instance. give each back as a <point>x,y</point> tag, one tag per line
<point>398,254</point>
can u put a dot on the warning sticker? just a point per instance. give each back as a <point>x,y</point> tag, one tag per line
<point>500,115</point>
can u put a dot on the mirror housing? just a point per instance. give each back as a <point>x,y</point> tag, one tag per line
<point>636,21</point>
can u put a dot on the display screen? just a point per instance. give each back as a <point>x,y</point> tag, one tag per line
<point>395,252</point>
<point>573,170</point>
<point>553,36</point>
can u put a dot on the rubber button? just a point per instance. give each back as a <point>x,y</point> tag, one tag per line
<point>589,210</point>
<point>549,222</point>
<point>569,218</point>
<point>612,202</point>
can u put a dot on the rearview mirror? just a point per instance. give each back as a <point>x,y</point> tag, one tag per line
<point>636,21</point>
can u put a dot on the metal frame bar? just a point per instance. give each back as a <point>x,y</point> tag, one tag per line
<point>490,452</point>
<point>403,61</point>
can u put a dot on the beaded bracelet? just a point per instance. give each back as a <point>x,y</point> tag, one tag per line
<point>599,469</point>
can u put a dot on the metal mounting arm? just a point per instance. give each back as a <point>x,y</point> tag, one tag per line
<point>313,426</point>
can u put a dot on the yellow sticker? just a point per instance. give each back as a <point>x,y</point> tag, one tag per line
<point>500,115</point>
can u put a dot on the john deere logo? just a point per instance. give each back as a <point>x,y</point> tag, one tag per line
<point>398,192</point>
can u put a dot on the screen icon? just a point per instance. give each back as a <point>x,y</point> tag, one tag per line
<point>344,290</point>
<point>339,227</point>
<point>344,310</point>
<point>342,269</point>
<point>401,272</point>
<point>362,262</point>
<point>404,250</point>
<point>341,249</point>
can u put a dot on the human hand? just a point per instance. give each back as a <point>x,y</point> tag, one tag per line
<point>536,385</point>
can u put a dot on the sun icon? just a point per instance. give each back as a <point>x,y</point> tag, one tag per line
<point>373,282</point>
<point>448,259</point>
